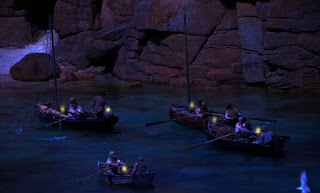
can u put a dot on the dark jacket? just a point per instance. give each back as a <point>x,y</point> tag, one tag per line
<point>98,104</point>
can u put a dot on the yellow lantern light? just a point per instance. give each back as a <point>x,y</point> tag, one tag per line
<point>124,169</point>
<point>258,130</point>
<point>214,119</point>
<point>62,109</point>
<point>192,105</point>
<point>108,109</point>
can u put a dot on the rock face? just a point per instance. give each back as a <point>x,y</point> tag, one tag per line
<point>268,43</point>
<point>292,44</point>
<point>33,67</point>
<point>74,16</point>
<point>15,30</point>
<point>273,44</point>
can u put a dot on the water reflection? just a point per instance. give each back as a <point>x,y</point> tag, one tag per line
<point>50,165</point>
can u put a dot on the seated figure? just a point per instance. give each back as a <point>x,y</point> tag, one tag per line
<point>139,168</point>
<point>265,136</point>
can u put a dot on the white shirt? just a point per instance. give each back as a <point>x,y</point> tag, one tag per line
<point>73,111</point>
<point>197,110</point>
<point>109,161</point>
<point>239,127</point>
<point>265,138</point>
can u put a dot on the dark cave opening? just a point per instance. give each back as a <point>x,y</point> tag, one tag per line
<point>108,60</point>
<point>37,11</point>
<point>156,36</point>
<point>232,4</point>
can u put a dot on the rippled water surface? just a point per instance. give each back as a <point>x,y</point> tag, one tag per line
<point>52,159</point>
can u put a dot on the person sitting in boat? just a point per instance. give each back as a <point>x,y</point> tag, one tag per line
<point>112,163</point>
<point>139,168</point>
<point>74,109</point>
<point>248,127</point>
<point>203,109</point>
<point>240,125</point>
<point>197,108</point>
<point>231,113</point>
<point>246,131</point>
<point>265,136</point>
<point>98,105</point>
<point>249,132</point>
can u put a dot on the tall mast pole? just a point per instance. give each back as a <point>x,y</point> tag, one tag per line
<point>187,63</point>
<point>54,61</point>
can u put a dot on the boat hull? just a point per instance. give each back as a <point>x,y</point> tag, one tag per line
<point>231,143</point>
<point>141,179</point>
<point>192,121</point>
<point>145,179</point>
<point>105,123</point>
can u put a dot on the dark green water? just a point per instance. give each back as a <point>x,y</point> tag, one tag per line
<point>35,162</point>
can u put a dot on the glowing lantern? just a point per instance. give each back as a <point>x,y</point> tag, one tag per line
<point>62,109</point>
<point>258,130</point>
<point>214,119</point>
<point>192,105</point>
<point>108,109</point>
<point>124,169</point>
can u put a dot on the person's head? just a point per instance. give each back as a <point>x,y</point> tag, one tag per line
<point>112,154</point>
<point>103,94</point>
<point>203,104</point>
<point>264,128</point>
<point>240,119</point>
<point>248,126</point>
<point>198,103</point>
<point>73,102</point>
<point>140,159</point>
<point>229,106</point>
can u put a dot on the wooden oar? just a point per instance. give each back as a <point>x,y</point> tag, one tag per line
<point>192,147</point>
<point>46,124</point>
<point>160,122</point>
<point>264,120</point>
<point>94,174</point>
<point>89,176</point>
<point>253,118</point>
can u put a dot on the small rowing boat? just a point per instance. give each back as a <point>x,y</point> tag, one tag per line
<point>126,178</point>
<point>187,119</point>
<point>49,115</point>
<point>215,130</point>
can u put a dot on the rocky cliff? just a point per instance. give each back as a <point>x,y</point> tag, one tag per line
<point>230,42</point>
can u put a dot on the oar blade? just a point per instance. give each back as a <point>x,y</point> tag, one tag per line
<point>79,181</point>
<point>159,122</point>
<point>207,142</point>
<point>190,148</point>
<point>156,123</point>
<point>265,120</point>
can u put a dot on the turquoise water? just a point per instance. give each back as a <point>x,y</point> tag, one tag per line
<point>53,159</point>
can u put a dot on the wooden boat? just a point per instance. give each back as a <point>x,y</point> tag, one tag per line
<point>184,118</point>
<point>127,178</point>
<point>50,115</point>
<point>215,130</point>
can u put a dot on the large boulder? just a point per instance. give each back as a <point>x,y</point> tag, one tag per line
<point>34,67</point>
